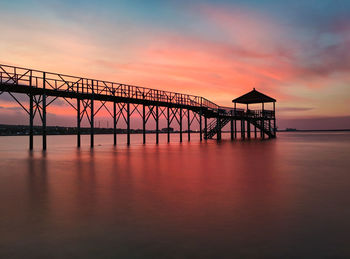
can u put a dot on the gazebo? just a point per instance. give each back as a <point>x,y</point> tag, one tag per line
<point>261,119</point>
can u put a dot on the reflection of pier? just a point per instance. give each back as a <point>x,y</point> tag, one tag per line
<point>129,99</point>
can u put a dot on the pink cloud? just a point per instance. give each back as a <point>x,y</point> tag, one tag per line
<point>253,51</point>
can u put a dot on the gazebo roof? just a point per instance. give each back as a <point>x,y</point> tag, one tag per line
<point>254,96</point>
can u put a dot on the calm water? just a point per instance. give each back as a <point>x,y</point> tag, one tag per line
<point>288,197</point>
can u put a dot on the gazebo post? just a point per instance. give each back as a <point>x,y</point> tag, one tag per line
<point>231,122</point>
<point>248,129</point>
<point>235,125</point>
<point>242,129</point>
<point>255,131</point>
<point>248,122</point>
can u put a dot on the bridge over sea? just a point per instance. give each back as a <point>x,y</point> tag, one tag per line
<point>89,94</point>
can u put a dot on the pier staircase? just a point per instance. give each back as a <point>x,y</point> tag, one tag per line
<point>215,126</point>
<point>267,129</point>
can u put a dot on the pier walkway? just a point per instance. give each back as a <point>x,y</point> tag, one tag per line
<point>130,99</point>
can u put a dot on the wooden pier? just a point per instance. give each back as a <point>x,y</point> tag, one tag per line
<point>83,94</point>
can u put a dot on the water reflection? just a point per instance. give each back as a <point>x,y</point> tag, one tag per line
<point>173,200</point>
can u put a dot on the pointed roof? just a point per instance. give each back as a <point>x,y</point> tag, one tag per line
<point>253,96</point>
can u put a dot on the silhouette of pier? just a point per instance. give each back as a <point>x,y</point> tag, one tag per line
<point>129,99</point>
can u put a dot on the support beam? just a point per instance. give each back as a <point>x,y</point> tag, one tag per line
<point>235,125</point>
<point>92,116</point>
<point>31,119</point>
<point>231,129</point>
<point>44,112</point>
<point>168,123</point>
<point>78,122</point>
<point>180,124</point>
<point>128,122</point>
<point>255,133</point>
<point>157,124</point>
<point>218,125</point>
<point>242,129</point>
<point>274,119</point>
<point>188,125</point>
<point>114,123</point>
<point>262,122</point>
<point>31,114</point>
<point>144,124</point>
<point>205,128</point>
<point>248,123</point>
<point>200,126</point>
<point>235,122</point>
<point>78,116</point>
<point>248,129</point>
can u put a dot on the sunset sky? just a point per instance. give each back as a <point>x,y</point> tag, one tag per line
<point>295,51</point>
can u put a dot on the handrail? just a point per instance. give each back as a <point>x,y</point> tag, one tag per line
<point>61,82</point>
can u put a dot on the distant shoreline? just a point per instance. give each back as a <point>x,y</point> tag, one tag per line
<point>314,130</point>
<point>23,130</point>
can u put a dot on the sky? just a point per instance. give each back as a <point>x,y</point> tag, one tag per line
<point>295,51</point>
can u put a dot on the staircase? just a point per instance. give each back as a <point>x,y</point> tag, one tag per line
<point>267,127</point>
<point>214,127</point>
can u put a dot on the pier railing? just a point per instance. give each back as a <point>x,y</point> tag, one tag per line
<point>245,113</point>
<point>59,82</point>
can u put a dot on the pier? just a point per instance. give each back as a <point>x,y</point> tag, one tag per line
<point>88,96</point>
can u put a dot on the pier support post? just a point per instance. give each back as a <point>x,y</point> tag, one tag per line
<point>262,122</point>
<point>31,119</point>
<point>255,133</point>
<point>31,114</point>
<point>114,123</point>
<point>92,123</point>
<point>247,122</point>
<point>44,122</point>
<point>44,112</point>
<point>231,129</point>
<point>274,119</point>
<point>235,125</point>
<point>128,122</point>
<point>144,124</point>
<point>168,124</point>
<point>92,116</point>
<point>180,124</point>
<point>218,125</point>
<point>248,129</point>
<point>157,124</point>
<point>242,129</point>
<point>78,122</point>
<point>205,128</point>
<point>188,125</point>
<point>200,126</point>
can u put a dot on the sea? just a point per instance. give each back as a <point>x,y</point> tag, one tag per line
<point>287,197</point>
